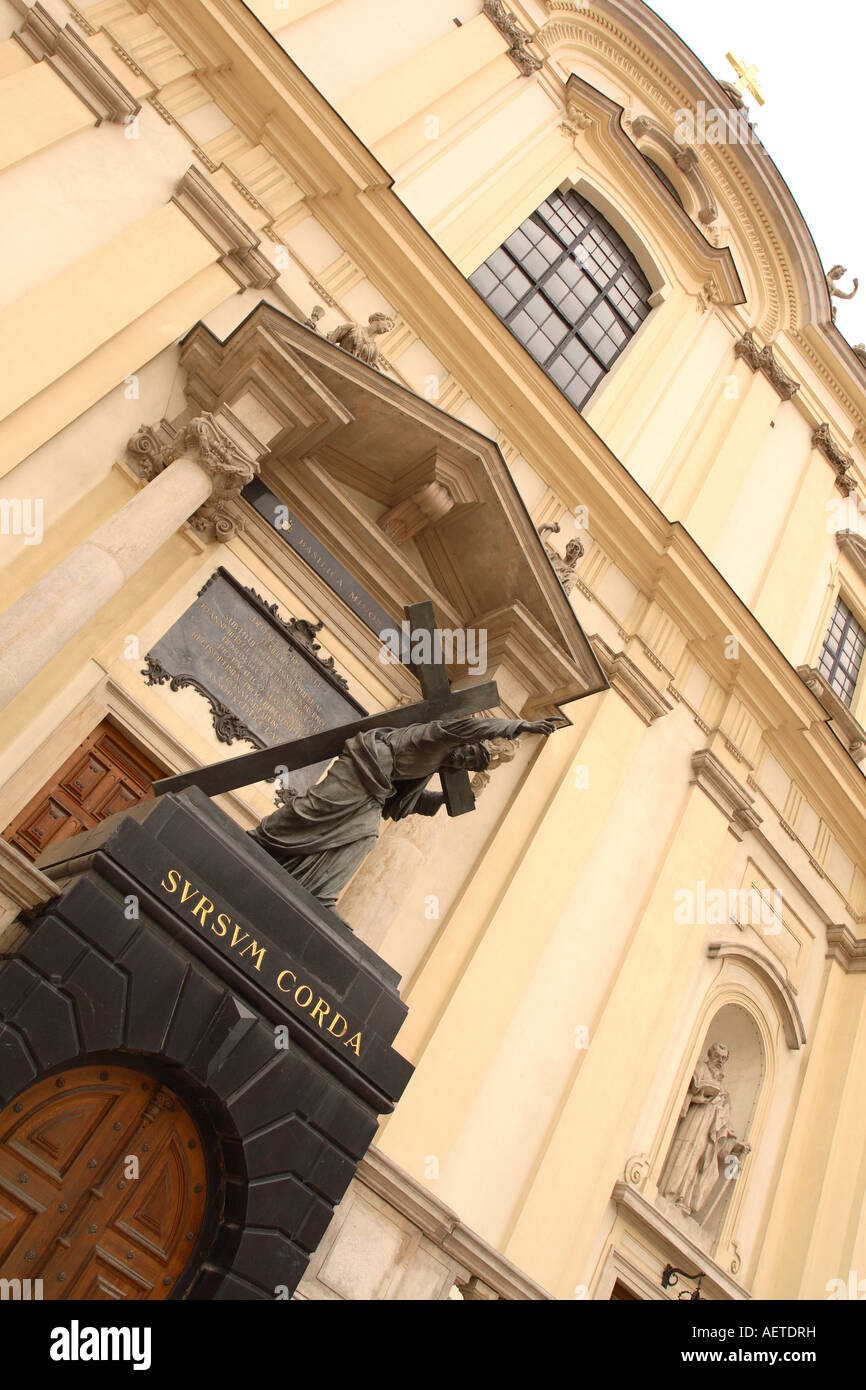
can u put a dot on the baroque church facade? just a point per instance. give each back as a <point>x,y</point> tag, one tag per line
<point>592,403</point>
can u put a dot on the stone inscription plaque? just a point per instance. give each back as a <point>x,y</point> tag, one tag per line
<point>262,675</point>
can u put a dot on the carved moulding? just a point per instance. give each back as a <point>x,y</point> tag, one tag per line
<point>774,980</point>
<point>846,949</point>
<point>840,462</point>
<point>637,1170</point>
<point>764,360</point>
<point>652,133</point>
<point>518,39</point>
<point>627,679</point>
<point>237,243</point>
<point>76,63</point>
<point>726,792</point>
<point>227,726</point>
<point>847,726</point>
<point>230,469</point>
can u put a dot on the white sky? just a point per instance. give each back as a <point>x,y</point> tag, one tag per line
<point>811,62</point>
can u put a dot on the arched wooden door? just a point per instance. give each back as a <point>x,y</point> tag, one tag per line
<point>72,1211</point>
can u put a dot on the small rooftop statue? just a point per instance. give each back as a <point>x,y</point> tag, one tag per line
<point>564,565</point>
<point>835,274</point>
<point>360,339</point>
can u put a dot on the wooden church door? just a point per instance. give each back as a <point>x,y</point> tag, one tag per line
<point>105,774</point>
<point>72,1211</point>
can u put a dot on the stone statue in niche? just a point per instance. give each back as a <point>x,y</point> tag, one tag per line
<point>834,275</point>
<point>564,565</point>
<point>324,834</point>
<point>360,339</point>
<point>704,1139</point>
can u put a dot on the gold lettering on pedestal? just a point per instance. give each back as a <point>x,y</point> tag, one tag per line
<point>242,944</point>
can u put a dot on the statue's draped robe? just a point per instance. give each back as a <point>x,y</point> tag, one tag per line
<point>692,1169</point>
<point>322,835</point>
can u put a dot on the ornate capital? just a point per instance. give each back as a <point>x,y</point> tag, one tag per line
<point>841,462</point>
<point>764,360</point>
<point>577,120</point>
<point>153,449</point>
<point>78,65</point>
<point>517,38</point>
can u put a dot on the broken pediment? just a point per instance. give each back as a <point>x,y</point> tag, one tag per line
<point>413,502</point>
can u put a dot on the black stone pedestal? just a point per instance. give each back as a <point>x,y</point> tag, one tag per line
<point>177,944</point>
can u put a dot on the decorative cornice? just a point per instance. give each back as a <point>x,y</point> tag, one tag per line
<point>846,949</point>
<point>654,1224</point>
<point>852,544</point>
<point>517,38</point>
<point>444,1228</point>
<point>22,885</point>
<point>217,220</point>
<point>775,981</point>
<point>80,68</point>
<point>605,120</point>
<point>153,449</point>
<point>726,792</point>
<point>627,679</point>
<point>853,734</point>
<point>839,461</point>
<point>763,360</point>
<point>641,52</point>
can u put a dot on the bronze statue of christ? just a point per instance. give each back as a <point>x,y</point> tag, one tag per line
<point>322,835</point>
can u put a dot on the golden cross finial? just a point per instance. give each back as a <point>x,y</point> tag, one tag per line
<point>747,78</point>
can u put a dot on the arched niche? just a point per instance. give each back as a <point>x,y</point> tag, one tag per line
<point>703,1167</point>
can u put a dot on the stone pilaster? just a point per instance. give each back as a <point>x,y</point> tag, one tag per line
<point>192,479</point>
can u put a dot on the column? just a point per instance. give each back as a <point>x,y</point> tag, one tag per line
<point>191,479</point>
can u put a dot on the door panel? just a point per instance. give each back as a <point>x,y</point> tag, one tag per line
<point>72,1210</point>
<point>104,775</point>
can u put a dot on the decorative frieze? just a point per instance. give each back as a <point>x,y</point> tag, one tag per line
<point>78,65</point>
<point>764,360</point>
<point>726,792</point>
<point>839,461</point>
<point>517,38</point>
<point>236,243</point>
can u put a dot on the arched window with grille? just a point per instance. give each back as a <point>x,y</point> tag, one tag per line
<point>569,288</point>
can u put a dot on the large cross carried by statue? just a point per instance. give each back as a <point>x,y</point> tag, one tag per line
<point>439,702</point>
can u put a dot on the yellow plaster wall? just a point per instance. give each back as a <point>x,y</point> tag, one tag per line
<point>37,108</point>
